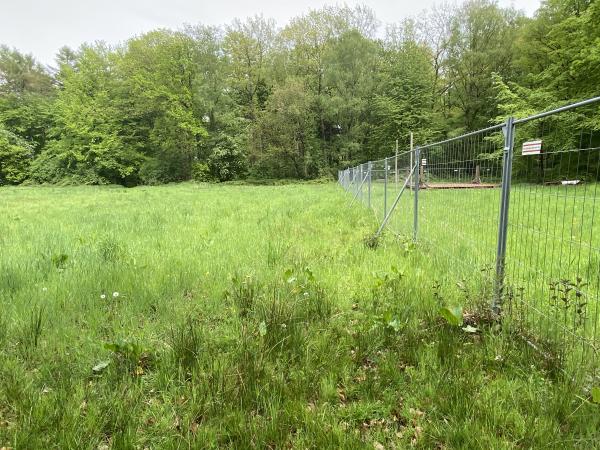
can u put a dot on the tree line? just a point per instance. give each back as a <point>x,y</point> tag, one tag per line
<point>250,99</point>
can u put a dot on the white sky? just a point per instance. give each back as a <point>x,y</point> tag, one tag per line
<point>41,27</point>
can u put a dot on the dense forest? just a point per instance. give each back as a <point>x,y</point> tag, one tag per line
<point>329,89</point>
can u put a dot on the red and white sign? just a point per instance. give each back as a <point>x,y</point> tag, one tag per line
<point>532,147</point>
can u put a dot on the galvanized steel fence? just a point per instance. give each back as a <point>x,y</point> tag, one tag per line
<point>515,206</point>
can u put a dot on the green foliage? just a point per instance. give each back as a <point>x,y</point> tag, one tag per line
<point>595,391</point>
<point>129,356</point>
<point>406,98</point>
<point>20,74</point>
<point>201,172</point>
<point>158,73</point>
<point>282,141</point>
<point>558,59</point>
<point>29,115</point>
<point>559,49</point>
<point>226,161</point>
<point>248,45</point>
<point>350,75</point>
<point>15,157</point>
<point>322,93</point>
<point>452,314</point>
<point>90,148</point>
<point>481,42</point>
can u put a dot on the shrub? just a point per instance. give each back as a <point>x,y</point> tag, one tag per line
<point>15,157</point>
<point>62,168</point>
<point>226,161</point>
<point>201,172</point>
<point>151,172</point>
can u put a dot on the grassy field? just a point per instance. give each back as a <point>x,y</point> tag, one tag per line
<point>553,241</point>
<point>197,316</point>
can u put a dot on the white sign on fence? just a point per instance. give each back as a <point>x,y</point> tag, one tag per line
<point>423,162</point>
<point>532,147</point>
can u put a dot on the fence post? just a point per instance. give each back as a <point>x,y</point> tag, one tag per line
<point>350,179</point>
<point>412,150</point>
<point>369,167</point>
<point>507,159</point>
<point>361,177</point>
<point>396,163</point>
<point>385,180</point>
<point>416,179</point>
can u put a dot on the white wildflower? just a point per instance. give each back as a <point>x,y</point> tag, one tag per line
<point>102,296</point>
<point>115,294</point>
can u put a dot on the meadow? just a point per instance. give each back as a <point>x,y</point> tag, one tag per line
<point>232,316</point>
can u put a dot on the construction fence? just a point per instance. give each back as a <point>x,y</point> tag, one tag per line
<point>514,205</point>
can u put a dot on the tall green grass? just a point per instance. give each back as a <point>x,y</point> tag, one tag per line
<point>197,316</point>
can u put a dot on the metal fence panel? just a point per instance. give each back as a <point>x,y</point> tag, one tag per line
<point>553,250</point>
<point>514,207</point>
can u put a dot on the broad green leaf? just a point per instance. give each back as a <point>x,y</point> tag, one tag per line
<point>262,328</point>
<point>395,325</point>
<point>388,316</point>
<point>452,314</point>
<point>596,394</point>
<point>113,347</point>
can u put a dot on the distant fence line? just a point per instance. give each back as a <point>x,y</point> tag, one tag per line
<point>516,203</point>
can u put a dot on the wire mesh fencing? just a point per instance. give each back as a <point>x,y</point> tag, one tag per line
<point>513,207</point>
<point>552,267</point>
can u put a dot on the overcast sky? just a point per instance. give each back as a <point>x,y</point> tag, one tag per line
<point>41,27</point>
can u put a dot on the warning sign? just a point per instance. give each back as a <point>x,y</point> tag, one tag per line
<point>532,147</point>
